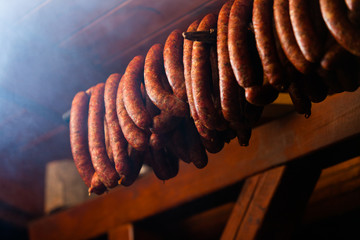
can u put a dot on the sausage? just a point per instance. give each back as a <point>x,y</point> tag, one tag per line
<point>315,88</point>
<point>118,143</point>
<point>159,96</point>
<point>222,125</point>
<point>132,97</point>
<point>300,100</point>
<point>197,152</point>
<point>136,159</point>
<point>187,59</point>
<point>178,144</point>
<point>96,186</point>
<point>306,36</point>
<point>227,82</point>
<point>265,43</point>
<point>243,131</point>
<point>164,164</point>
<point>261,95</point>
<point>188,46</point>
<point>109,151</point>
<point>157,141</point>
<point>286,36</point>
<point>173,64</point>
<point>99,158</point>
<point>346,34</point>
<point>164,122</point>
<point>201,76</point>
<point>79,135</point>
<point>135,136</point>
<point>332,57</point>
<point>354,11</point>
<point>238,41</point>
<point>214,146</point>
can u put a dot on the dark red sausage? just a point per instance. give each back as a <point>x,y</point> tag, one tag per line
<point>164,164</point>
<point>135,136</point>
<point>174,67</point>
<point>261,95</point>
<point>136,159</point>
<point>132,97</point>
<point>97,186</point>
<point>178,144</point>
<point>345,33</point>
<point>306,36</point>
<point>107,143</point>
<point>301,101</point>
<point>153,77</point>
<point>197,152</point>
<point>265,43</point>
<point>201,77</point>
<point>99,158</point>
<point>286,36</point>
<point>118,142</point>
<point>238,43</point>
<point>79,137</point>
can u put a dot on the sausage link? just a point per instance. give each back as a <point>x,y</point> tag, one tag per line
<point>315,88</point>
<point>99,158</point>
<point>136,160</point>
<point>200,77</point>
<point>301,101</point>
<point>178,144</point>
<point>306,36</point>
<point>79,135</point>
<point>346,34</point>
<point>135,136</point>
<point>132,97</point>
<point>174,67</point>
<point>197,152</point>
<point>286,36</point>
<point>157,141</point>
<point>238,43</point>
<point>227,82</point>
<point>164,164</point>
<point>107,143</point>
<point>265,43</point>
<point>159,96</point>
<point>261,95</point>
<point>354,11</point>
<point>118,143</point>
<point>96,186</point>
<point>214,146</point>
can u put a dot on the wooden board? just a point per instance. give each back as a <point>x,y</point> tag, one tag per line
<point>272,144</point>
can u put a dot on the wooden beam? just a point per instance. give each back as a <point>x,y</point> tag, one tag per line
<point>270,201</point>
<point>273,144</point>
<point>123,232</point>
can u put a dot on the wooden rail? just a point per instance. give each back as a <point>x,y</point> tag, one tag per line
<point>335,120</point>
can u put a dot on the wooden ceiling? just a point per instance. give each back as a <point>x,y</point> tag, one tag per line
<point>52,49</point>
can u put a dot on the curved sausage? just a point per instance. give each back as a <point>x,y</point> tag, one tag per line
<point>164,164</point>
<point>200,78</point>
<point>178,144</point>
<point>197,152</point>
<point>238,41</point>
<point>118,143</point>
<point>301,101</point>
<point>107,143</point>
<point>99,158</point>
<point>136,160</point>
<point>286,36</point>
<point>159,96</point>
<point>79,137</point>
<point>265,43</point>
<point>173,64</point>
<point>132,97</point>
<point>261,95</point>
<point>135,136</point>
<point>346,34</point>
<point>157,141</point>
<point>96,186</point>
<point>305,34</point>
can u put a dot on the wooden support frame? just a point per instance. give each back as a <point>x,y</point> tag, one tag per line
<point>279,142</point>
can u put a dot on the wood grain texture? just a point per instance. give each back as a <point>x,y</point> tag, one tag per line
<point>272,144</point>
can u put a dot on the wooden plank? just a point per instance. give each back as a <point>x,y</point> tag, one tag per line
<point>59,19</point>
<point>278,200</point>
<point>272,144</point>
<point>123,232</point>
<point>242,204</point>
<point>122,29</point>
<point>140,47</point>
